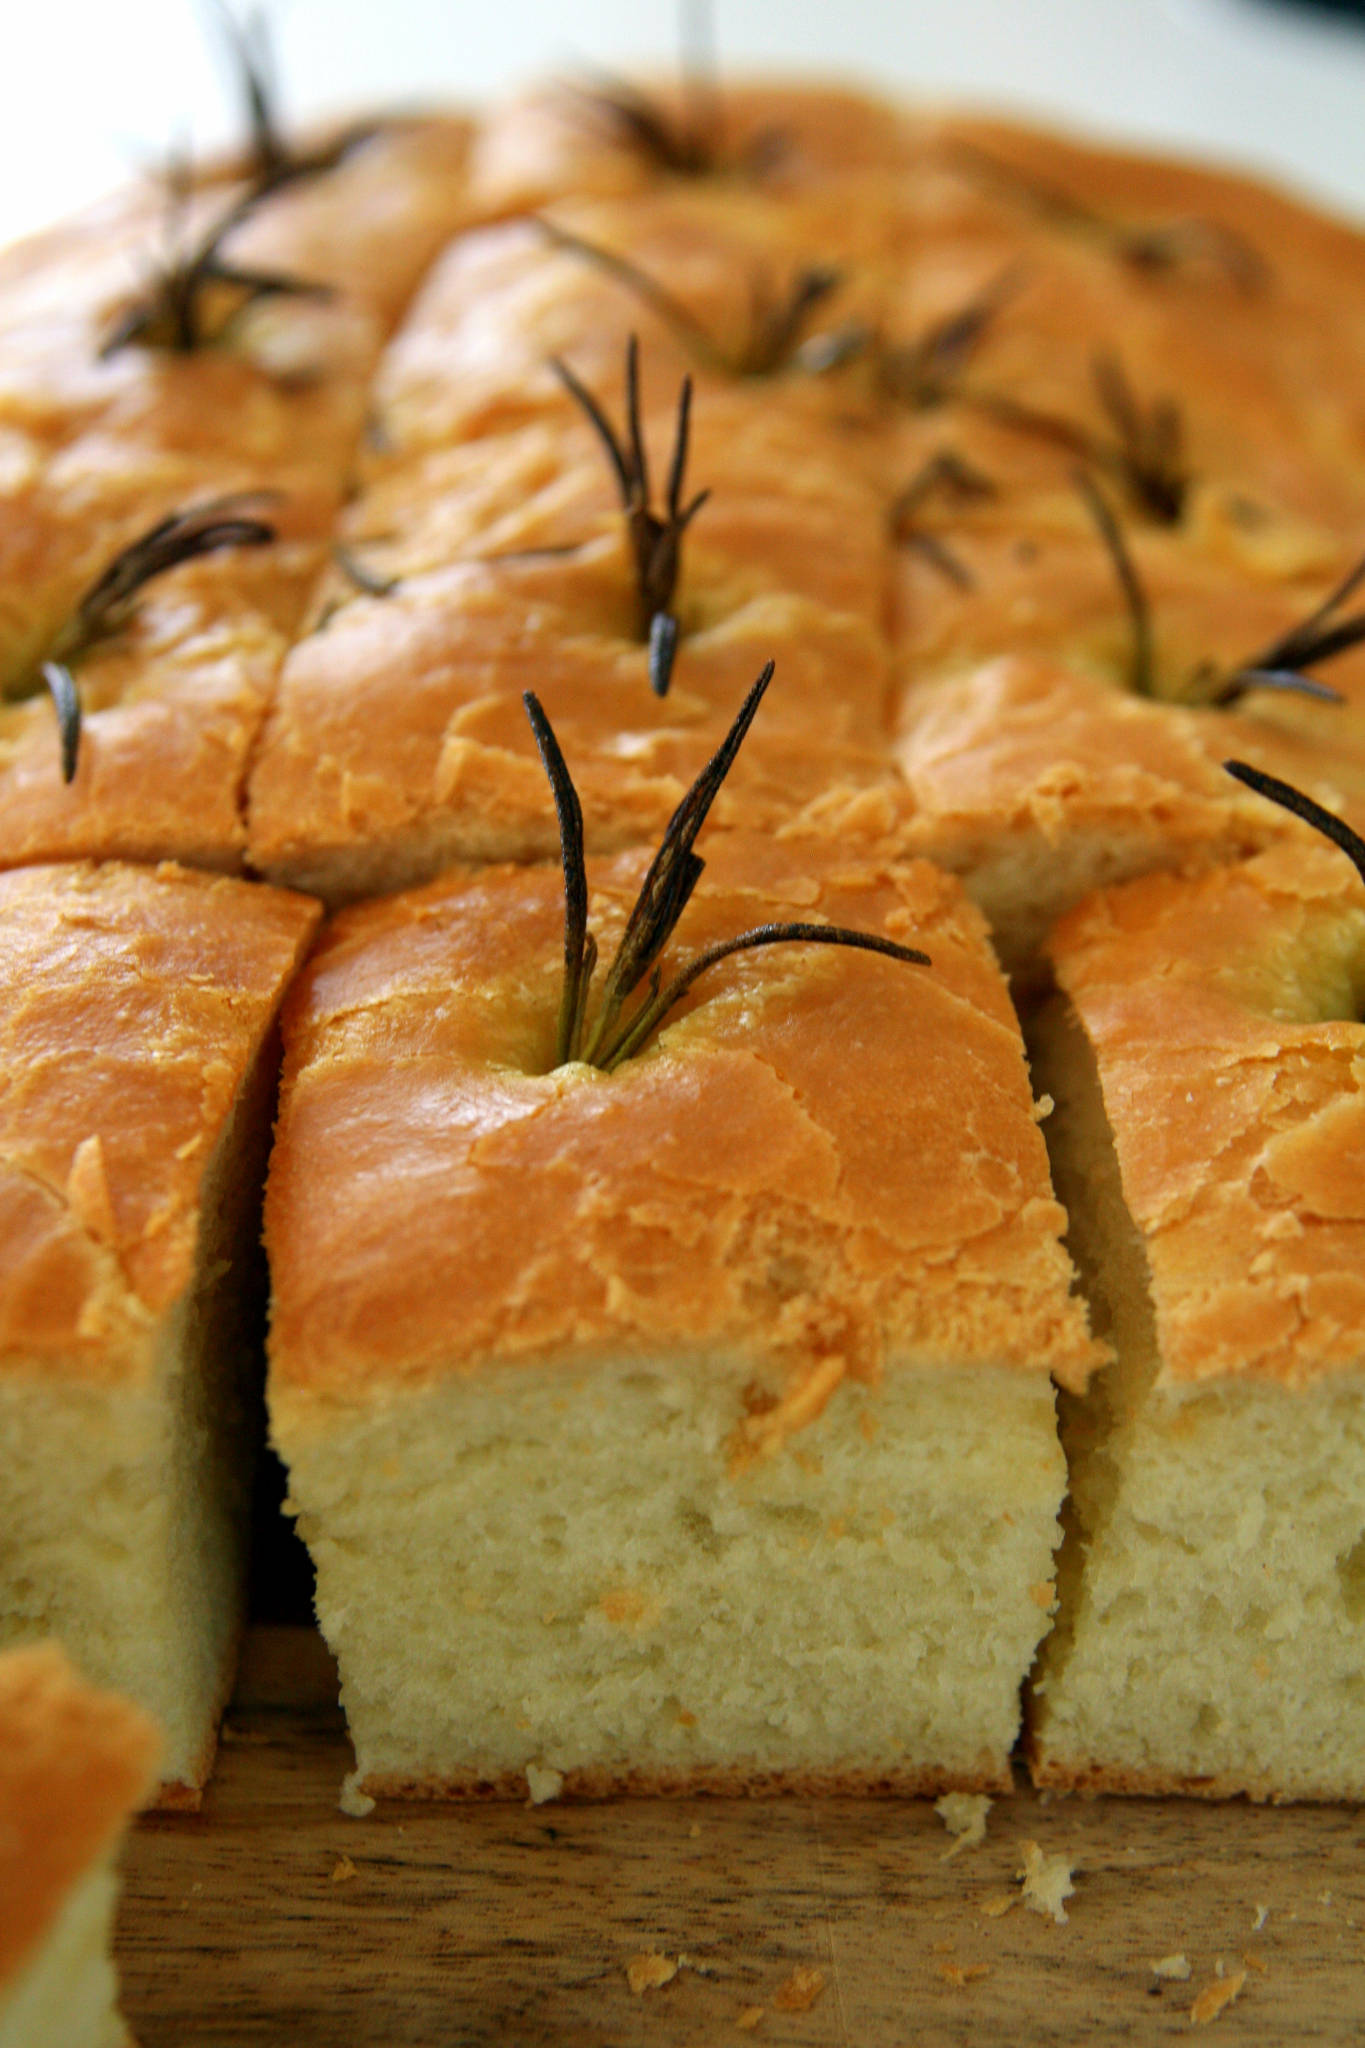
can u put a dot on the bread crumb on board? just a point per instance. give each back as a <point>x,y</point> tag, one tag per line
<point>997,1904</point>
<point>649,1972</point>
<point>962,1974</point>
<point>343,1870</point>
<point>1046,1881</point>
<point>964,1816</point>
<point>749,2017</point>
<point>543,1784</point>
<point>1175,1968</point>
<point>1214,1997</point>
<point>799,1992</point>
<point>353,1801</point>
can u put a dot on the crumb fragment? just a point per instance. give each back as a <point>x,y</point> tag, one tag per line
<point>749,2017</point>
<point>1255,1962</point>
<point>800,1990</point>
<point>343,1870</point>
<point>961,1974</point>
<point>1262,1915</point>
<point>1046,1881</point>
<point>353,1801</point>
<point>1214,1997</point>
<point>694,1832</point>
<point>997,1904</point>
<point>649,1972</point>
<point>964,1816</point>
<point>543,1784</point>
<point>1176,1968</point>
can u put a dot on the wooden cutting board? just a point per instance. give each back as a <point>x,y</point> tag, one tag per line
<point>273,1918</point>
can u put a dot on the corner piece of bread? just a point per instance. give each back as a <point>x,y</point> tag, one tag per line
<point>687,1427</point>
<point>136,1013</point>
<point>1209,1071</point>
<point>74,1765</point>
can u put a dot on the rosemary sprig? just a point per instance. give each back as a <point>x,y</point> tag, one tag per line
<point>1152,246</point>
<point>945,474</point>
<point>776,335</point>
<point>1291,799</point>
<point>1143,451</point>
<point>1317,638</point>
<point>1280,666</point>
<point>691,144</point>
<point>927,371</point>
<point>194,298</point>
<point>664,894</point>
<point>655,538</point>
<point>1141,655</point>
<point>275,162</point>
<point>107,605</point>
<point>580,948</point>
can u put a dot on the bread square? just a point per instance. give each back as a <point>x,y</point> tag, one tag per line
<point>687,1426</point>
<point>136,1012</point>
<point>1209,1071</point>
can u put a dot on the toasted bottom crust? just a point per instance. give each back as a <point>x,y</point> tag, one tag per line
<point>724,1782</point>
<point>1093,1780</point>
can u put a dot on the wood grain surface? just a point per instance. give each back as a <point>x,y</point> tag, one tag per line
<point>273,1918</point>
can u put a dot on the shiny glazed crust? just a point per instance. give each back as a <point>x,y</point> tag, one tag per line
<point>134,1001</point>
<point>825,1158</point>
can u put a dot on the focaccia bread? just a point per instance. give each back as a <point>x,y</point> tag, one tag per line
<point>695,1431</point>
<point>1209,1070</point>
<point>136,1008</point>
<point>74,1765</point>
<point>901,338</point>
<point>127,397</point>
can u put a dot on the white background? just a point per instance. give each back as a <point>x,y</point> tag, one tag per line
<point>98,86</point>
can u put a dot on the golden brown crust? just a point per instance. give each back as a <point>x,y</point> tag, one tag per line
<point>473,356</point>
<point>824,1157</point>
<point>786,512</point>
<point>824,143</point>
<point>171,709</point>
<point>1221,1012</point>
<point>1263,382</point>
<point>399,742</point>
<point>1301,245</point>
<point>132,1004</point>
<point>370,227</point>
<point>95,448</point>
<point>60,297</point>
<point>74,1763</point>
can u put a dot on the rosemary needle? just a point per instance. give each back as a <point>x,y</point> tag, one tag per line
<point>616,1036</point>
